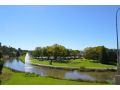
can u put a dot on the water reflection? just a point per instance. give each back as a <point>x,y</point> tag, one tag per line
<point>15,64</point>
<point>38,71</point>
<point>78,75</point>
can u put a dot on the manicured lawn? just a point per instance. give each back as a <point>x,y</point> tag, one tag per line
<point>22,58</point>
<point>10,77</point>
<point>75,63</point>
<point>72,63</point>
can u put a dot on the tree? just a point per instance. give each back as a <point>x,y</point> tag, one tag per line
<point>55,52</point>
<point>112,56</point>
<point>104,56</point>
<point>75,53</point>
<point>49,52</point>
<point>1,55</point>
<point>17,54</point>
<point>58,51</point>
<point>101,54</point>
<point>0,44</point>
<point>37,52</point>
<point>8,51</point>
<point>44,52</point>
<point>91,53</point>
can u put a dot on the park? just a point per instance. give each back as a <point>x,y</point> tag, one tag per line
<point>60,68</point>
<point>59,45</point>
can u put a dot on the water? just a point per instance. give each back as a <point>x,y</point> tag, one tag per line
<point>15,64</point>
<point>56,73</point>
<point>76,75</point>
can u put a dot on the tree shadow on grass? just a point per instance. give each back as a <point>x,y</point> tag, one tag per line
<point>1,67</point>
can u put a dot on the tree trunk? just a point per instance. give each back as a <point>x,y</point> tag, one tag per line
<point>55,57</point>
<point>74,57</point>
<point>1,66</point>
<point>51,62</point>
<point>48,58</point>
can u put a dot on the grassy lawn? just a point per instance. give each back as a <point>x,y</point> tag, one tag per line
<point>72,63</point>
<point>10,77</point>
<point>22,58</point>
<point>75,63</point>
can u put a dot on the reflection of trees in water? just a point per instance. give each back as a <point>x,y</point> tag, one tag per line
<point>102,76</point>
<point>17,59</point>
<point>10,60</point>
<point>56,73</point>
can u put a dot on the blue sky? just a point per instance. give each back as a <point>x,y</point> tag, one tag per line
<point>75,27</point>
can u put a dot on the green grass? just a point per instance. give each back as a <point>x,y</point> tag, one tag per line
<point>22,58</point>
<point>75,63</point>
<point>10,77</point>
<point>84,63</point>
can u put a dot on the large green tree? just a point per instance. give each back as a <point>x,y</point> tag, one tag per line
<point>104,56</point>
<point>1,55</point>
<point>37,52</point>
<point>56,51</point>
<point>101,54</point>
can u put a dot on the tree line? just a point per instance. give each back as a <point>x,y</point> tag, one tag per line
<point>101,54</point>
<point>55,52</point>
<point>8,51</point>
<point>58,52</point>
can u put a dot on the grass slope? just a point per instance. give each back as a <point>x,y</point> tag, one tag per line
<point>10,77</point>
<point>22,58</point>
<point>72,63</point>
<point>75,63</point>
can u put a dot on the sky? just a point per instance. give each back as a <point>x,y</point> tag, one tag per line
<point>75,27</point>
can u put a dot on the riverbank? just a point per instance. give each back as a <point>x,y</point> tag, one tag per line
<point>78,64</point>
<point>77,68</point>
<point>22,58</point>
<point>11,77</point>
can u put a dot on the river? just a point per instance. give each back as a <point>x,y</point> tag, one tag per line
<point>18,65</point>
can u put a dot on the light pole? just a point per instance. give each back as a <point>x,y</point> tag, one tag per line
<point>117,78</point>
